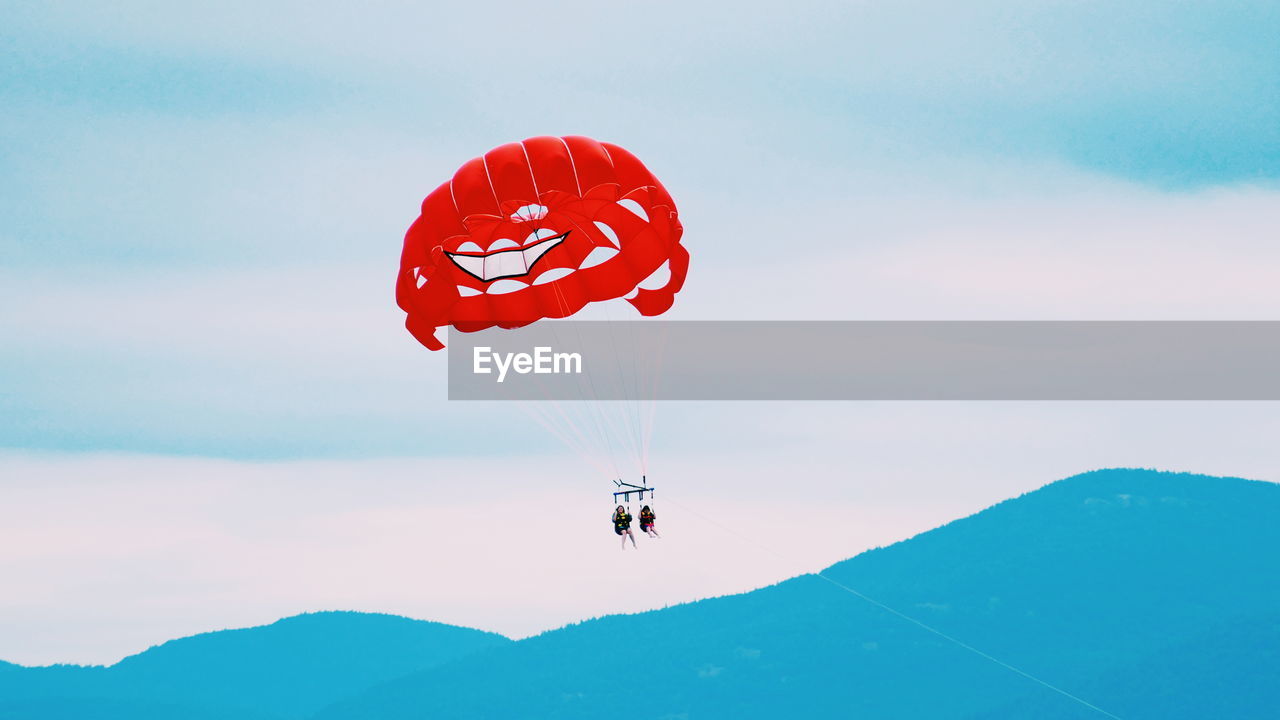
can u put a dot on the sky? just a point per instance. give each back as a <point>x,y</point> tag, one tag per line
<point>211,416</point>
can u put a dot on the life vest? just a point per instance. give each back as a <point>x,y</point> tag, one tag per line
<point>621,521</point>
<point>647,518</point>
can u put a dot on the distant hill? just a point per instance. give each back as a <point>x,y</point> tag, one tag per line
<point>1152,595</point>
<point>1083,580</point>
<point>284,670</point>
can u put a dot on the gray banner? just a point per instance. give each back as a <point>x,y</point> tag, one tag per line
<point>788,360</point>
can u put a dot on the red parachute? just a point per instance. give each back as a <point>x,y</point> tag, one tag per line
<point>539,229</point>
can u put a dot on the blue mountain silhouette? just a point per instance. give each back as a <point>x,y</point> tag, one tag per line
<point>288,669</point>
<point>1072,583</point>
<point>1226,671</point>
<point>1147,594</point>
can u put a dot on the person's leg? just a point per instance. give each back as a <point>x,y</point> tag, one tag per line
<point>624,540</point>
<point>633,538</point>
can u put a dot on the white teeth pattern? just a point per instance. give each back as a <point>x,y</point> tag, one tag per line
<point>422,279</point>
<point>634,207</point>
<point>553,275</point>
<point>502,287</point>
<point>472,264</point>
<point>533,252</point>
<point>506,263</point>
<point>659,278</point>
<point>609,233</point>
<point>597,256</point>
<point>499,265</point>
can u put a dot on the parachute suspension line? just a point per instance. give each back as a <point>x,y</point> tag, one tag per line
<point>631,399</point>
<point>563,428</point>
<point>575,428</point>
<point>560,424</point>
<point>615,427</point>
<point>589,404</point>
<point>639,407</point>
<point>653,394</point>
<point>592,409</point>
<point>592,449</point>
<point>897,613</point>
<point>568,441</point>
<point>643,400</point>
<point>636,427</point>
<point>565,417</point>
<point>621,425</point>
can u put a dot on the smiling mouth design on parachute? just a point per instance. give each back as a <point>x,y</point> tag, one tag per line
<point>487,267</point>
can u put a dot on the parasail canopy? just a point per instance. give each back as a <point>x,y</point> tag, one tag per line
<point>540,229</point>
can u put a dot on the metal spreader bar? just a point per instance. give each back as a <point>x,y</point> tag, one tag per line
<point>632,490</point>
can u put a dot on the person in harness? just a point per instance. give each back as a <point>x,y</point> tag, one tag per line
<point>622,526</point>
<point>647,517</point>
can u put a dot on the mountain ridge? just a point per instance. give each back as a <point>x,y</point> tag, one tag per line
<point>285,669</point>
<point>1089,582</point>
<point>1106,535</point>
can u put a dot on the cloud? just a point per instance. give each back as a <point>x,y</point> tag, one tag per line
<point>1174,95</point>
<point>106,554</point>
<point>226,134</point>
<point>313,360</point>
<point>1085,250</point>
